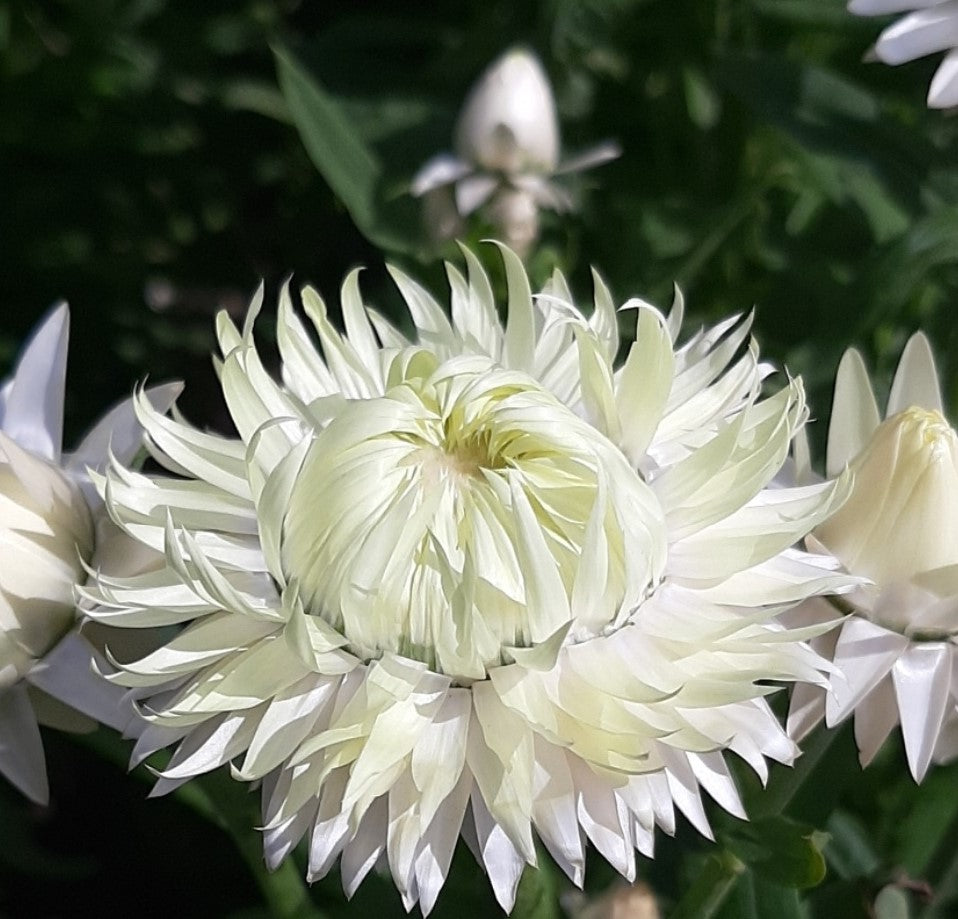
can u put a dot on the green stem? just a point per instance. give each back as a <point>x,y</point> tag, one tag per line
<point>785,784</point>
<point>222,801</point>
<point>713,884</point>
<point>284,889</point>
<point>537,896</point>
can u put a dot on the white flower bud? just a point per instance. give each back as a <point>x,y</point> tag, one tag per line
<point>48,505</point>
<point>902,516</point>
<point>45,531</point>
<point>897,649</point>
<point>508,122</point>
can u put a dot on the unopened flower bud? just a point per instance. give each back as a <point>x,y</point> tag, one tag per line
<point>902,516</point>
<point>508,122</point>
<point>45,531</point>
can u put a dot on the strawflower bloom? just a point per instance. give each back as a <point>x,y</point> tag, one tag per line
<point>507,151</point>
<point>932,26</point>
<point>896,650</point>
<point>477,579</point>
<point>48,531</point>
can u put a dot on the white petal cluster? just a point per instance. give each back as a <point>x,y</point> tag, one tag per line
<point>897,650</point>
<point>47,536</point>
<point>479,580</point>
<point>507,150</point>
<point>931,26</point>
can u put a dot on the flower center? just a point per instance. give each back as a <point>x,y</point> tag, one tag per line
<point>467,514</point>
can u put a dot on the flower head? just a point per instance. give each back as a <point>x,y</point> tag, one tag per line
<point>899,528</point>
<point>931,27</point>
<point>508,122</point>
<point>476,579</point>
<point>507,149</point>
<point>47,536</point>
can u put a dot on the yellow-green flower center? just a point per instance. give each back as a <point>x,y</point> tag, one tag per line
<point>465,514</point>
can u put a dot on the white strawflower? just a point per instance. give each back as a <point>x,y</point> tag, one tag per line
<point>899,528</point>
<point>47,535</point>
<point>507,150</point>
<point>478,580</point>
<point>931,27</point>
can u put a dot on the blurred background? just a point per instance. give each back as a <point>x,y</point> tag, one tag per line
<point>159,158</point>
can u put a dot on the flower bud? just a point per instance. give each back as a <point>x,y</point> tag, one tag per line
<point>508,122</point>
<point>45,532</point>
<point>902,516</point>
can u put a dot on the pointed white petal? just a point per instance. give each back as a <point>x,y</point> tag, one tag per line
<point>119,432</point>
<point>916,379</point>
<point>864,654</point>
<point>943,92</point>
<point>588,159</point>
<point>520,338</point>
<point>923,32</point>
<point>922,677</point>
<point>882,7</point>
<point>875,718</point>
<point>554,810</point>
<point>365,848</point>
<point>21,750</point>
<point>442,169</point>
<point>439,843</point>
<point>279,842</point>
<point>500,858</point>
<point>67,674</point>
<point>854,413</point>
<point>472,191</point>
<point>33,414</point>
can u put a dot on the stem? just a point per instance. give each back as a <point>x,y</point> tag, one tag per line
<point>713,884</point>
<point>221,800</point>
<point>283,889</point>
<point>785,784</point>
<point>537,895</point>
<point>233,808</point>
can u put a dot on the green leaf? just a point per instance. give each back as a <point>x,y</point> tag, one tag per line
<point>781,850</point>
<point>757,898</point>
<point>930,825</point>
<point>850,852</point>
<point>825,112</point>
<point>350,166</point>
<point>712,885</point>
<point>810,12</point>
<point>825,752</point>
<point>704,105</point>
<point>536,897</point>
<point>942,904</point>
<point>338,152</point>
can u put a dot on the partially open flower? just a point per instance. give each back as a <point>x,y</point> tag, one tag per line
<point>476,579</point>
<point>931,27</point>
<point>899,528</point>
<point>507,150</point>
<point>47,536</point>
